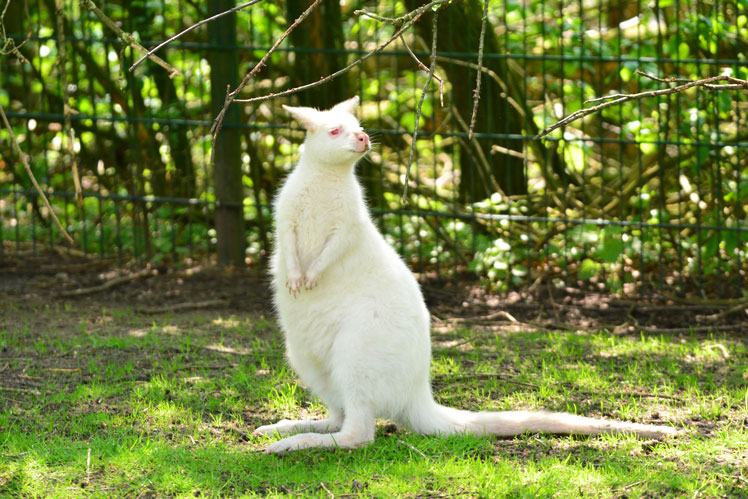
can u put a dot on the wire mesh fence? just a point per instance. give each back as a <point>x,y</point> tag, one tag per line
<point>646,196</point>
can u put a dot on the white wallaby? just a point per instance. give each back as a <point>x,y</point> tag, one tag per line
<point>355,322</point>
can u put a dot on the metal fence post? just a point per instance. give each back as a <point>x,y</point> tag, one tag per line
<point>227,176</point>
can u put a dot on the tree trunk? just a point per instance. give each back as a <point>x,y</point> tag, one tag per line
<point>319,44</point>
<point>227,174</point>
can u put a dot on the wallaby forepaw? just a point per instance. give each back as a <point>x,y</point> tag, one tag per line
<point>293,284</point>
<point>312,278</point>
<point>310,283</point>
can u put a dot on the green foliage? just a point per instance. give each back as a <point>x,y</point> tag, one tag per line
<point>630,194</point>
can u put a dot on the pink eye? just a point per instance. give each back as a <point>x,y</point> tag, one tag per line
<point>335,131</point>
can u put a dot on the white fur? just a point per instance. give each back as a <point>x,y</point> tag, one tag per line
<point>354,319</point>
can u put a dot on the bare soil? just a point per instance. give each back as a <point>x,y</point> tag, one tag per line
<point>51,277</point>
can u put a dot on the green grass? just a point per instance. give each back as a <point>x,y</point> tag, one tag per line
<point>101,402</point>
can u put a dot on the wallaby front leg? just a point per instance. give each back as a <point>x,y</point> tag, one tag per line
<point>331,251</point>
<point>295,279</point>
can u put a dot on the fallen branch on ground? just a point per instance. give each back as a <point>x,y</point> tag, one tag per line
<point>740,307</point>
<point>19,390</point>
<point>176,307</point>
<point>450,378</point>
<point>109,284</point>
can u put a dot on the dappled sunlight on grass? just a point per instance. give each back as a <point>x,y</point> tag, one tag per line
<point>227,349</point>
<point>230,323</point>
<point>167,406</point>
<point>137,333</point>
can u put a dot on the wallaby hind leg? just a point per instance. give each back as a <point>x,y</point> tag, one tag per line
<point>357,430</point>
<point>330,424</point>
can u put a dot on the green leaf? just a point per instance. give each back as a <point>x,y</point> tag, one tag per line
<point>711,246</point>
<point>683,50</point>
<point>588,269</point>
<point>612,250</point>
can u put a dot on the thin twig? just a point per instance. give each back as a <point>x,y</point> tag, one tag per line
<point>19,390</point>
<point>734,477</point>
<point>366,13</point>
<point>322,484</point>
<point>447,378</point>
<point>411,19</point>
<point>668,79</point>
<point>603,393</point>
<point>693,329</point>
<point>204,21</point>
<point>621,98</point>
<point>8,44</point>
<point>485,173</point>
<point>127,37</point>
<point>483,318</point>
<point>476,92</point>
<point>509,152</point>
<point>405,18</point>
<point>406,444</point>
<point>425,68</point>
<point>432,65</point>
<point>62,62</point>
<point>25,161</point>
<point>218,122</point>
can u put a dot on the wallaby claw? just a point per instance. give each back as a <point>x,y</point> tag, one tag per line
<point>294,286</point>
<point>310,283</point>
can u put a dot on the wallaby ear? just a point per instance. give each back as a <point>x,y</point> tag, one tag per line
<point>347,106</point>
<point>305,115</point>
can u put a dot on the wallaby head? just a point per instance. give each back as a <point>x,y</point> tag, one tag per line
<point>333,137</point>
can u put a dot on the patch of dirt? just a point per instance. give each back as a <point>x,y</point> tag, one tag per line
<point>80,281</point>
<point>465,301</point>
<point>47,277</point>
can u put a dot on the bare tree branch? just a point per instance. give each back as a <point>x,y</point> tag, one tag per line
<point>218,122</point>
<point>401,23</point>
<point>25,161</point>
<point>204,21</point>
<point>413,15</point>
<point>612,100</point>
<point>127,37</point>
<point>8,44</point>
<point>425,68</point>
<point>476,92</point>
<point>420,105</point>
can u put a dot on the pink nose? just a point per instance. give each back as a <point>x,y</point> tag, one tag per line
<point>362,141</point>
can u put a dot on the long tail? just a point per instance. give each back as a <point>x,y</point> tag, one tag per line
<point>431,418</point>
